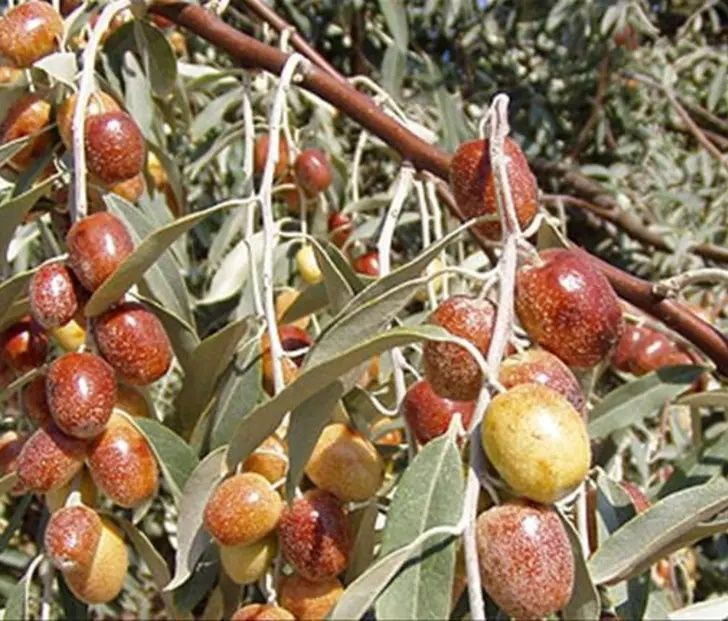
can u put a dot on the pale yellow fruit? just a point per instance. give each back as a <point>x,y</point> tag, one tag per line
<point>69,337</point>
<point>308,266</point>
<point>248,563</point>
<point>56,498</point>
<point>433,267</point>
<point>537,442</point>
<point>284,300</point>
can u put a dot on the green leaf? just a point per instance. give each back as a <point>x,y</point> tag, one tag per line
<point>641,398</point>
<point>160,62</point>
<point>708,399</point>
<point>8,150</point>
<point>395,14</point>
<point>430,493</point>
<point>338,290</point>
<point>16,606</point>
<point>394,66</point>
<point>363,522</point>
<point>698,466</point>
<point>712,609</point>
<point>11,289</point>
<point>584,604</point>
<point>61,66</point>
<point>7,482</point>
<point>15,521</point>
<point>312,299</point>
<point>211,116</point>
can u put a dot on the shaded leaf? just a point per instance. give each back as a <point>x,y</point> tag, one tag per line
<point>338,290</point>
<point>312,299</point>
<point>363,522</point>
<point>584,604</point>
<point>395,14</point>
<point>159,60</point>
<point>698,466</point>
<point>16,606</point>
<point>11,288</point>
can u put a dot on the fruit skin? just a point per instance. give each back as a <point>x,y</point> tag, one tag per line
<point>122,464</point>
<point>346,464</point>
<point>29,32</point>
<point>367,264</point>
<point>133,341</point>
<point>56,498</point>
<point>472,183</point>
<point>269,460</point>
<point>130,190</point>
<point>98,103</point>
<point>313,171</point>
<point>97,245</point>
<point>71,537</point>
<point>623,356</point>
<point>526,561</point>
<point>314,536</point>
<point>35,401</point>
<point>537,442</point>
<point>81,392</point>
<point>29,115</point>
<point>246,564</point>
<point>262,612</point>
<point>11,444</point>
<point>568,307</point>
<point>260,154</point>
<point>132,401</point>
<point>306,599</point>
<point>69,337</point>
<point>284,301</point>
<point>451,370</point>
<point>292,339</point>
<point>655,350</point>
<point>428,414</point>
<point>115,147</point>
<point>53,300</point>
<point>243,509</point>
<point>24,345</point>
<point>340,228</point>
<point>308,266</point>
<point>541,367</point>
<point>49,459</point>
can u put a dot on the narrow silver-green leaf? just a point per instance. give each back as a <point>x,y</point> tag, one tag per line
<point>584,604</point>
<point>395,14</point>
<point>312,299</point>
<point>11,288</point>
<point>338,290</point>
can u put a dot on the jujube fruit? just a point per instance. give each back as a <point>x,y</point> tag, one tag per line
<point>428,414</point>
<point>306,599</point>
<point>450,368</point>
<point>11,443</point>
<point>314,535</point>
<point>52,292</point>
<point>345,463</point>
<point>122,464</point>
<point>269,460</point>
<point>81,392</point>
<point>262,612</point>
<point>134,342</point>
<point>367,264</point>
<point>130,190</point>
<point>27,116</point>
<point>115,147</point>
<point>307,265</point>
<point>132,401</point>
<point>97,245</point>
<point>71,537</point>
<point>248,563</point>
<point>261,154</point>
<point>340,227</point>
<point>568,307</point>
<point>243,509</point>
<point>98,103</point>
<point>57,497</point>
<point>537,442</point>
<point>28,32</point>
<point>292,339</point>
<point>35,401</point>
<point>654,351</point>
<point>24,345</point>
<point>284,300</point>
<point>624,354</point>
<point>473,184</point>
<point>313,171</point>
<point>525,558</point>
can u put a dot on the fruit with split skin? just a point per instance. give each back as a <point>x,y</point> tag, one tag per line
<point>115,147</point>
<point>52,293</point>
<point>98,103</point>
<point>261,154</point>
<point>23,345</point>
<point>537,442</point>
<point>262,612</point>
<point>28,32</point>
<point>248,563</point>
<point>428,414</point>
<point>313,171</point>
<point>307,599</point>
<point>29,116</point>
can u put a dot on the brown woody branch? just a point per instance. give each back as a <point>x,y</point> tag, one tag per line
<point>254,54</point>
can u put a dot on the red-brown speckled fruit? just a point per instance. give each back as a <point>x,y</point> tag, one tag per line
<point>122,464</point>
<point>262,612</point>
<point>71,537</point>
<point>81,391</point>
<point>243,509</point>
<point>654,351</point>
<point>24,345</point>
<point>367,264</point>
<point>98,103</point>
<point>49,459</point>
<point>639,499</point>
<point>428,414</point>
<point>313,171</point>
<point>134,342</point>
<point>29,115</point>
<point>115,148</point>
<point>623,356</point>
<point>10,446</point>
<point>35,401</point>
<point>568,307</point>
<point>450,369</point>
<point>97,245</point>
<point>471,180</point>
<point>29,32</point>
<point>53,300</point>
<point>314,535</point>
<point>525,559</point>
<point>306,599</point>
<point>261,153</point>
<point>541,367</point>
<point>340,227</point>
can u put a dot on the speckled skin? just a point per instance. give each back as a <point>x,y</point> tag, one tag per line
<point>134,342</point>
<point>346,464</point>
<point>262,612</point>
<point>306,599</point>
<point>123,465</point>
<point>541,367</point>
<point>10,446</point>
<point>242,510</point>
<point>72,536</point>
<point>29,32</point>
<point>53,301</point>
<point>24,345</point>
<point>49,459</point>
<point>537,442</point>
<point>98,103</point>
<point>260,153</point>
<point>471,180</point>
<point>97,245</point>
<point>367,264</point>
<point>637,496</point>
<point>314,536</point>
<point>526,561</point>
<point>313,171</point>
<point>568,307</point>
<point>81,392</point>
<point>35,402</point>
<point>450,369</point>
<point>29,115</point>
<point>340,227</point>
<point>428,414</point>
<point>269,460</point>
<point>115,147</point>
<point>249,563</point>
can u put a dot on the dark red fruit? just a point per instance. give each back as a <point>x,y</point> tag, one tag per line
<point>313,171</point>
<point>624,354</point>
<point>53,300</point>
<point>428,414</point>
<point>655,350</point>
<point>115,147</point>
<point>340,228</point>
<point>292,339</point>
<point>367,263</point>
<point>49,459</point>
<point>81,391</point>
<point>450,369</point>
<point>97,245</point>
<point>35,402</point>
<point>472,183</point>
<point>568,307</point>
<point>314,535</point>
<point>24,345</point>
<point>28,32</point>
<point>134,342</point>
<point>27,116</point>
<point>261,154</point>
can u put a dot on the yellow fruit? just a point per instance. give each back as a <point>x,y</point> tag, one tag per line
<point>433,267</point>
<point>284,301</point>
<point>307,265</point>
<point>269,460</point>
<point>69,337</point>
<point>56,498</point>
<point>248,563</point>
<point>306,599</point>
<point>537,442</point>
